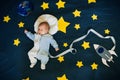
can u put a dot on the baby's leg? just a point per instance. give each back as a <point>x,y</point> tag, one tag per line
<point>33,60</point>
<point>44,61</point>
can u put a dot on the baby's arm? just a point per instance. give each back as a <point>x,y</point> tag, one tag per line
<point>29,35</point>
<point>54,44</point>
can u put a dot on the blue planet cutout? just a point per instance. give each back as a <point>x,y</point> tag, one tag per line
<point>24,8</point>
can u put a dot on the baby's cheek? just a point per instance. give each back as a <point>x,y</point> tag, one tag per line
<point>45,31</point>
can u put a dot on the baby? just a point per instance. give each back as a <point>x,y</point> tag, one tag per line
<point>42,40</point>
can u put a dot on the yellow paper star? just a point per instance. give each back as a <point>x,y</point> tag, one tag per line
<point>45,6</point>
<point>79,64</point>
<point>62,78</point>
<point>77,26</point>
<point>65,44</point>
<point>6,19</point>
<point>107,31</point>
<point>76,13</point>
<point>85,45</point>
<point>26,78</point>
<point>60,59</point>
<point>94,66</point>
<point>91,1</point>
<point>21,24</point>
<point>60,4</point>
<point>62,25</point>
<point>16,42</point>
<point>94,17</point>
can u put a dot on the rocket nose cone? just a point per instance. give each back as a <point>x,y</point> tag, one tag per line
<point>95,46</point>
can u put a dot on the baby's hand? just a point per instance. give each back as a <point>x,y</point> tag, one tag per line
<point>25,31</point>
<point>57,49</point>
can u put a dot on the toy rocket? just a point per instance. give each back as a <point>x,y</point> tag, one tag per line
<point>106,55</point>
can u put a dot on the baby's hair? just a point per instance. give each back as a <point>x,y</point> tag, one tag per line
<point>46,23</point>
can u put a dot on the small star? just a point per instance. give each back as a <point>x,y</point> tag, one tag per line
<point>26,78</point>
<point>60,4</point>
<point>77,26</point>
<point>21,24</point>
<point>16,42</point>
<point>76,13</point>
<point>65,44</point>
<point>6,19</point>
<point>60,59</point>
<point>107,31</point>
<point>85,45</point>
<point>94,66</point>
<point>79,64</point>
<point>94,17</point>
<point>62,78</point>
<point>91,1</point>
<point>62,25</point>
<point>45,6</point>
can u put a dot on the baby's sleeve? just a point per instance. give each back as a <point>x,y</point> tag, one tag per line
<point>53,43</point>
<point>30,35</point>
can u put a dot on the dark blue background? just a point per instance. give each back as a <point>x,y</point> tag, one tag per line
<point>14,62</point>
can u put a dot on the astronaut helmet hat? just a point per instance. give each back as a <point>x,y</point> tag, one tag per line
<point>52,21</point>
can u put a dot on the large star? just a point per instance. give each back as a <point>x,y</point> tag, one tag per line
<point>65,44</point>
<point>21,24</point>
<point>94,17</point>
<point>77,26</point>
<point>91,1</point>
<point>60,59</point>
<point>79,64</point>
<point>94,66</point>
<point>60,4</point>
<point>85,45</point>
<point>107,31</point>
<point>45,6</point>
<point>6,19</point>
<point>26,78</point>
<point>62,78</point>
<point>62,25</point>
<point>76,13</point>
<point>16,42</point>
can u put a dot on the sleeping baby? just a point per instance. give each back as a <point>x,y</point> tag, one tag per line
<point>42,41</point>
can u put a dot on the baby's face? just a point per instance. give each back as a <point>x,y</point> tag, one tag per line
<point>43,29</point>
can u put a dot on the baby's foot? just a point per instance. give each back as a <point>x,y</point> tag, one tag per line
<point>43,67</point>
<point>32,65</point>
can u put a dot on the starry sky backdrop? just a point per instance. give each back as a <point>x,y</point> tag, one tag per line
<point>14,62</point>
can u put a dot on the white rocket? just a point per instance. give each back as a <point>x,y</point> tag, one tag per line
<point>106,55</point>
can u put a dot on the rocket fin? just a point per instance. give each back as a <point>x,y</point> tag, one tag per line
<point>112,52</point>
<point>105,62</point>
